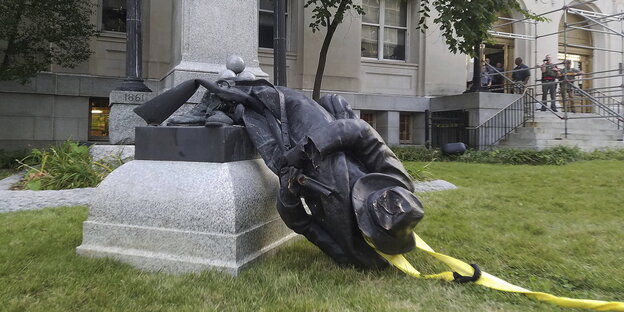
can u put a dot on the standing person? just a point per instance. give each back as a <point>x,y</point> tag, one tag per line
<point>498,81</point>
<point>567,78</point>
<point>520,76</point>
<point>550,71</point>
<point>486,78</point>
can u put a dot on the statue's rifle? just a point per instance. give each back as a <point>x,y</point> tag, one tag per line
<point>314,185</point>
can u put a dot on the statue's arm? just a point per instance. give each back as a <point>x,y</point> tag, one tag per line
<point>359,139</point>
<point>296,218</point>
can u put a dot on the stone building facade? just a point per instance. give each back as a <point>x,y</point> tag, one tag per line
<point>386,68</point>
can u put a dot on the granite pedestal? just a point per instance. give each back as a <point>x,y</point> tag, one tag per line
<point>186,216</point>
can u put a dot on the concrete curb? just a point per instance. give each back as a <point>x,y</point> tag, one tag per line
<point>6,183</point>
<point>33,200</point>
<point>11,201</point>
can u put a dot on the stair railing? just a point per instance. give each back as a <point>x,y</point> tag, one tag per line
<point>508,119</point>
<point>611,102</point>
<point>602,109</point>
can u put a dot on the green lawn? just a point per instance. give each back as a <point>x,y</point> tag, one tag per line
<point>547,228</point>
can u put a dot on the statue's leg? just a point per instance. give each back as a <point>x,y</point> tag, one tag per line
<point>337,106</point>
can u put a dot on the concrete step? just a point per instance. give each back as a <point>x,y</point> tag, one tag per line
<point>606,125</point>
<point>559,135</point>
<point>541,144</point>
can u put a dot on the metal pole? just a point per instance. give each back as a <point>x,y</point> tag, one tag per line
<point>134,49</point>
<point>279,43</point>
<point>476,75</point>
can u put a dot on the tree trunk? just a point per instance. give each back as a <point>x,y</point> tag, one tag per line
<point>331,29</point>
<point>320,70</point>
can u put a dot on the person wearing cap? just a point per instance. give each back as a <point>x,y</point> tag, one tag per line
<point>567,78</point>
<point>550,72</point>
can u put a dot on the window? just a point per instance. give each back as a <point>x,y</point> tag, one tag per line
<point>114,15</point>
<point>369,117</point>
<point>384,29</point>
<point>98,119</point>
<point>405,128</point>
<point>266,22</point>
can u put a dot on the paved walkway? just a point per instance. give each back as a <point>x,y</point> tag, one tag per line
<point>33,200</point>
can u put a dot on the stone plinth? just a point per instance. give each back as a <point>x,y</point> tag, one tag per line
<point>182,217</point>
<point>219,144</point>
<point>122,120</point>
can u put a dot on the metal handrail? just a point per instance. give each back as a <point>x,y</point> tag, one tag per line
<point>497,127</point>
<point>604,110</point>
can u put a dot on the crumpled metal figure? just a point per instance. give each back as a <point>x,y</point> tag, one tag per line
<point>358,193</point>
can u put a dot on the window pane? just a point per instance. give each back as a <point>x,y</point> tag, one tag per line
<point>405,129</point>
<point>396,13</point>
<point>369,117</point>
<point>98,118</point>
<point>394,44</point>
<point>114,15</point>
<point>268,5</point>
<point>371,7</point>
<point>265,30</point>
<point>370,35</point>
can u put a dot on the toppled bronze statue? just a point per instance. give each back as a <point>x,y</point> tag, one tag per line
<point>357,191</point>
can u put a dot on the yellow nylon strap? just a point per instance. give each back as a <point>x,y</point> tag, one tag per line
<point>492,281</point>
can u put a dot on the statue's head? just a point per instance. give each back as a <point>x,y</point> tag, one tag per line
<point>386,212</point>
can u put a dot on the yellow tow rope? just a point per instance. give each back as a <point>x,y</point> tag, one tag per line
<point>492,281</point>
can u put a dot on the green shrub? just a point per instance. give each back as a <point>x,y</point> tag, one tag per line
<point>558,155</point>
<point>608,154</point>
<point>10,160</point>
<point>413,153</point>
<point>64,166</point>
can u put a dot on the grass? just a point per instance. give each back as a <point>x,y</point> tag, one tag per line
<point>549,228</point>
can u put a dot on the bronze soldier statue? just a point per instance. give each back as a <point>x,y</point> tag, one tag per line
<point>358,193</point>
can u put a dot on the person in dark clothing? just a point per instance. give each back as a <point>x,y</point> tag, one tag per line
<point>358,193</point>
<point>498,80</point>
<point>520,76</point>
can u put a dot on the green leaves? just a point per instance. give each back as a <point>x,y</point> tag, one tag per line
<point>324,10</point>
<point>39,33</point>
<point>65,166</point>
<point>465,23</point>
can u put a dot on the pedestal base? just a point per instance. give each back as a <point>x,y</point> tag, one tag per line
<point>184,217</point>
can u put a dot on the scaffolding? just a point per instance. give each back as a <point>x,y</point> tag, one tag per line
<point>604,100</point>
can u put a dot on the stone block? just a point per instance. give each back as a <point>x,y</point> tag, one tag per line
<point>104,152</point>
<point>121,123</point>
<point>15,104</point>
<point>214,144</point>
<point>46,83</point>
<point>17,128</point>
<point>67,129</point>
<point>185,217</point>
<point>98,86</point>
<point>44,128</point>
<point>68,84</point>
<point>71,106</point>
<point>129,97</point>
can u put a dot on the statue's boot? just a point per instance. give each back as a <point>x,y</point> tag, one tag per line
<point>218,119</point>
<point>195,117</point>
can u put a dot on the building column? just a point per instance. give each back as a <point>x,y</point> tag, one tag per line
<point>388,126</point>
<point>207,32</point>
<point>134,49</point>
